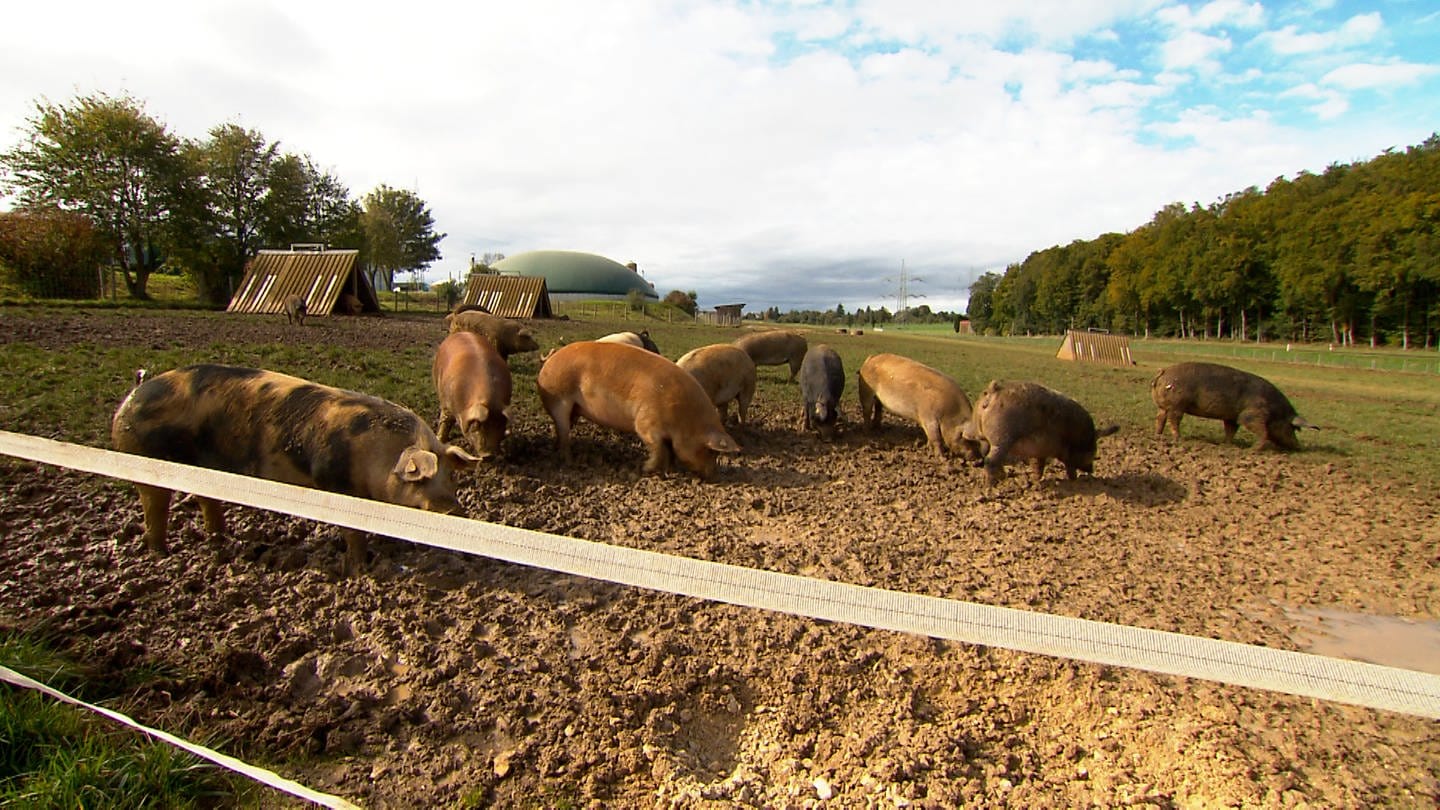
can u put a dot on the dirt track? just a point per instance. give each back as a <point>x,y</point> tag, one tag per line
<point>439,679</point>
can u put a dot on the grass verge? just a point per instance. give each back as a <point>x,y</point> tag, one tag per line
<point>56,755</point>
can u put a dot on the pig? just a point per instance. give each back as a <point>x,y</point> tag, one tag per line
<point>634,391</point>
<point>473,384</point>
<point>726,373</point>
<point>295,309</point>
<point>822,380</point>
<point>917,392</point>
<point>640,340</point>
<point>1235,397</point>
<point>349,305</point>
<point>507,336</point>
<point>775,348</point>
<point>1018,420</point>
<point>271,425</point>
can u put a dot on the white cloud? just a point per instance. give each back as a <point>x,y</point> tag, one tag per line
<point>1357,30</point>
<point>1194,50</point>
<point>1370,76</point>
<point>725,148</point>
<point>1215,14</point>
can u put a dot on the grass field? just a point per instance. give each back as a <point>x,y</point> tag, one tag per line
<point>1379,420</point>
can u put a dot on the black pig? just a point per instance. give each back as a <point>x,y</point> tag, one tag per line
<point>1235,397</point>
<point>822,380</point>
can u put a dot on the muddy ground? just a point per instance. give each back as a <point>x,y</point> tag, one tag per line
<point>442,680</point>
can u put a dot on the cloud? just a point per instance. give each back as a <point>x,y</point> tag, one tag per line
<point>1194,50</point>
<point>789,154</point>
<point>1216,14</point>
<point>1290,41</point>
<point>1370,76</point>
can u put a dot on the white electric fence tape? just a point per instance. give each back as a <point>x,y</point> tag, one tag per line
<point>261,775</point>
<point>1303,674</point>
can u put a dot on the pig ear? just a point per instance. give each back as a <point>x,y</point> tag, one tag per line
<point>721,442</point>
<point>460,457</point>
<point>416,464</point>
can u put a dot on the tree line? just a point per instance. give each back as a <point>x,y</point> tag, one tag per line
<point>99,181</point>
<point>1352,253</point>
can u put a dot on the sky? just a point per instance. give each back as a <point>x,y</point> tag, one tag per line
<point>798,155</point>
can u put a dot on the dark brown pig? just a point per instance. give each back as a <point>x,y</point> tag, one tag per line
<point>631,390</point>
<point>274,426</point>
<point>473,383</point>
<point>507,336</point>
<point>822,381</point>
<point>920,393</point>
<point>726,373</point>
<point>775,348</point>
<point>1235,397</point>
<point>1019,420</point>
<point>295,309</point>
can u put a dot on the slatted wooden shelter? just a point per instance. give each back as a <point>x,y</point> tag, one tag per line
<point>1096,347</point>
<point>319,276</point>
<point>509,296</point>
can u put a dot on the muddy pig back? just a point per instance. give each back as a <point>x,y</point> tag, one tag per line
<point>507,336</point>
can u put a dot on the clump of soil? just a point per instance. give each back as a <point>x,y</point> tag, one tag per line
<point>440,678</point>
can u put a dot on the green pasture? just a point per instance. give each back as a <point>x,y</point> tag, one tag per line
<point>1383,421</point>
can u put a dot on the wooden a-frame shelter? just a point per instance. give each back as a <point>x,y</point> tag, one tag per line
<point>328,280</point>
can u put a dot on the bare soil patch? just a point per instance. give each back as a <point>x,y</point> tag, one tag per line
<point>441,679</point>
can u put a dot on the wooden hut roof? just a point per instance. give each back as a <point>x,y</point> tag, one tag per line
<point>1096,347</point>
<point>318,276</point>
<point>509,296</point>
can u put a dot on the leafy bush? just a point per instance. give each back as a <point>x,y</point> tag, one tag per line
<point>52,253</point>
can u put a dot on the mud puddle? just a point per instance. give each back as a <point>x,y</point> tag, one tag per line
<point>1387,640</point>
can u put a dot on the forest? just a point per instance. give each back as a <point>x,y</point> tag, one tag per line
<point>1345,256</point>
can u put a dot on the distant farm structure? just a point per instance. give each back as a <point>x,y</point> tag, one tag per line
<point>508,296</point>
<point>330,281</point>
<point>1096,347</point>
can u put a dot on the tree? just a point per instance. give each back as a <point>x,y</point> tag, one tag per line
<point>305,204</point>
<point>235,167</point>
<point>980,306</point>
<point>399,234</point>
<point>685,301</point>
<point>107,159</point>
<point>52,253</point>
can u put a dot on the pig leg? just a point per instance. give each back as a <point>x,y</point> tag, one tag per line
<point>1037,466</point>
<point>1255,424</point>
<point>932,438</point>
<point>995,465</point>
<point>214,512</point>
<point>1159,422</point>
<point>355,548</point>
<point>1231,426</point>
<point>742,403</point>
<point>444,425</point>
<point>794,368</point>
<point>562,412</point>
<point>155,503</point>
<point>659,458</point>
<point>1174,418</point>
